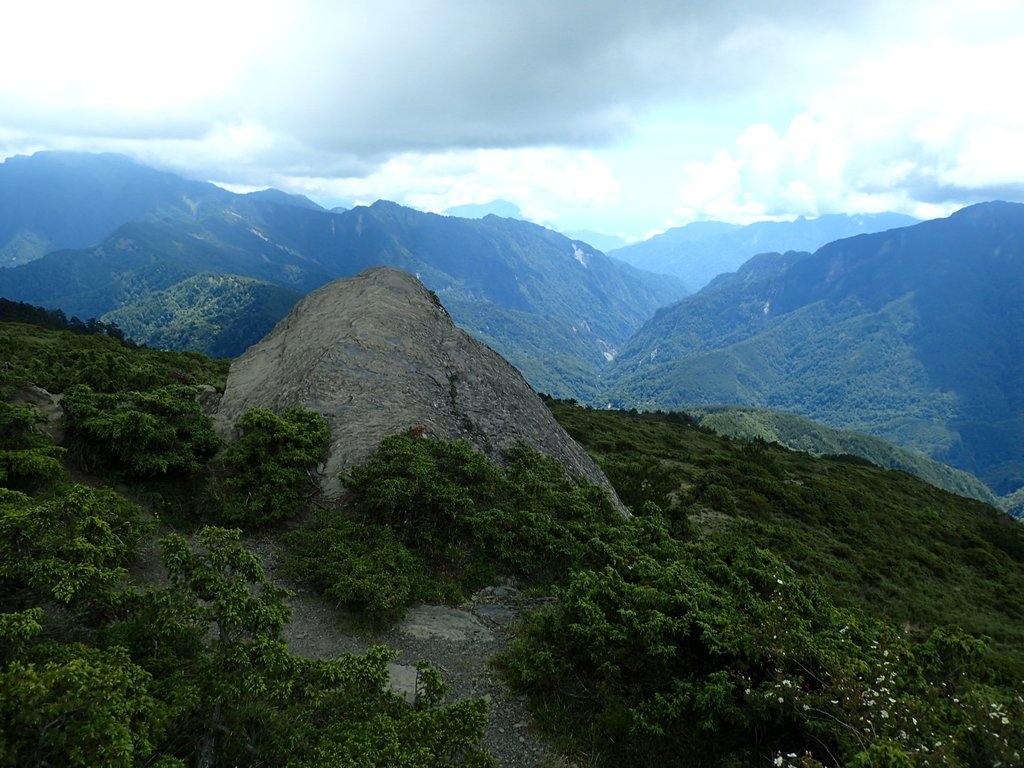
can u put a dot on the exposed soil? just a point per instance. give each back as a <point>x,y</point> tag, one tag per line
<point>458,641</point>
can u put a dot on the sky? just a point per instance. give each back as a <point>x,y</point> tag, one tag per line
<point>621,117</point>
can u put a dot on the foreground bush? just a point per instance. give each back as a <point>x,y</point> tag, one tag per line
<point>139,434</point>
<point>726,656</point>
<point>267,471</point>
<point>197,673</point>
<point>431,517</point>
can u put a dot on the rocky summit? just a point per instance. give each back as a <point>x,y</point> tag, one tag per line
<point>376,354</point>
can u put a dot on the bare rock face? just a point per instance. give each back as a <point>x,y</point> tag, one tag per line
<point>377,354</point>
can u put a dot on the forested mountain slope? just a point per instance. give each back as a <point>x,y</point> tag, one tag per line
<point>800,434</point>
<point>915,335</point>
<point>698,252</point>
<point>55,200</point>
<point>557,308</point>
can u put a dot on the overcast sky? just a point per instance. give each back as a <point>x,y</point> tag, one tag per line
<point>621,117</point>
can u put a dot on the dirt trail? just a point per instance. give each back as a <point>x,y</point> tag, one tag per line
<point>458,641</point>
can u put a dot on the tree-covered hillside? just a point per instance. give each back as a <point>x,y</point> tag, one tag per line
<point>914,335</point>
<point>761,606</point>
<point>557,308</point>
<point>797,624</point>
<point>213,314</point>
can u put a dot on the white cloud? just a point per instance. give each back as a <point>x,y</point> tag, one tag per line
<point>541,181</point>
<point>561,107</point>
<point>119,59</point>
<point>923,128</point>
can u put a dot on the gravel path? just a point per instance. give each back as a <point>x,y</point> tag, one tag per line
<point>458,641</point>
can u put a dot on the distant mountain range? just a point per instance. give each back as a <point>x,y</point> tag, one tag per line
<point>502,208</point>
<point>915,335</point>
<point>56,200</point>
<point>555,307</point>
<point>509,210</point>
<point>698,252</point>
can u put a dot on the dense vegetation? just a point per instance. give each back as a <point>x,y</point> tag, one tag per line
<point>433,519</point>
<point>30,355</point>
<point>99,667</point>
<point>55,320</point>
<point>760,607</point>
<point>217,315</point>
<point>787,619</point>
<point>265,475</point>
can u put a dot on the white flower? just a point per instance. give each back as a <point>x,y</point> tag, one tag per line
<point>778,760</point>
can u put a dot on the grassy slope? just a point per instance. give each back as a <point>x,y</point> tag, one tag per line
<point>800,434</point>
<point>880,539</point>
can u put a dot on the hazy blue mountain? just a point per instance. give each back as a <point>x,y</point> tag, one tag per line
<point>509,210</point>
<point>915,335</point>
<point>503,208</point>
<point>697,252</point>
<point>555,307</point>
<point>55,200</point>
<point>599,240</point>
<point>284,198</point>
<point>141,257</point>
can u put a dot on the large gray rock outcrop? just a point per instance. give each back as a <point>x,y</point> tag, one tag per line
<point>377,354</point>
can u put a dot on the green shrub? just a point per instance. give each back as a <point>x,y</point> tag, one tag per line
<point>432,517</point>
<point>28,458</point>
<point>76,706</point>
<point>196,672</point>
<point>268,468</point>
<point>358,564</point>
<point>72,546</point>
<point>724,654</point>
<point>57,360</point>
<point>139,434</point>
